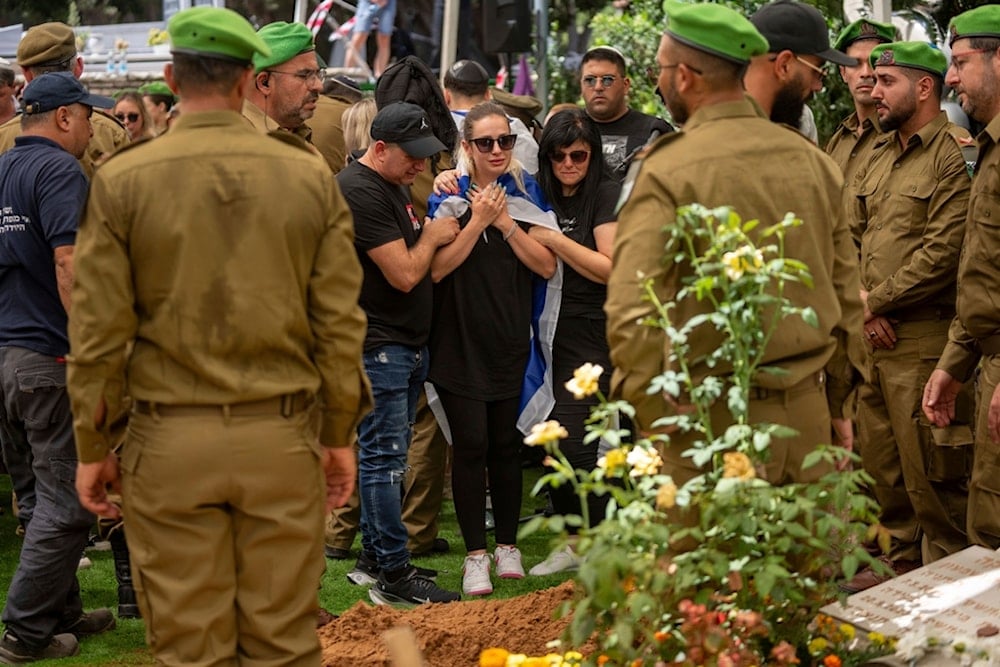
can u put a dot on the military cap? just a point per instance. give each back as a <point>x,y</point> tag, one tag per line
<point>715,29</point>
<point>863,29</point>
<point>915,55</point>
<point>211,32</point>
<point>59,89</point>
<point>979,22</point>
<point>156,88</point>
<point>799,28</point>
<point>46,44</point>
<point>286,40</point>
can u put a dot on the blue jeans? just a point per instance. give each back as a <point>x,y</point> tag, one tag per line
<point>44,593</point>
<point>397,375</point>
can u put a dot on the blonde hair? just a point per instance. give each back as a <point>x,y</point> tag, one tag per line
<point>148,129</point>
<point>465,161</point>
<point>357,123</point>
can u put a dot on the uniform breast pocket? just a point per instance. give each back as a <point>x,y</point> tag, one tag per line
<point>985,219</point>
<point>915,196</point>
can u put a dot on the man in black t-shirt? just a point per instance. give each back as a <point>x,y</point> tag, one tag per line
<point>605,84</point>
<point>395,250</point>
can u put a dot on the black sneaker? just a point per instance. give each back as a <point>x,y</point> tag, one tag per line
<point>336,553</point>
<point>89,623</point>
<point>366,571</point>
<point>14,652</point>
<point>410,590</point>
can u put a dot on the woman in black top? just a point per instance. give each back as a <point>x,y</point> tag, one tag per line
<point>480,336</point>
<point>573,178</point>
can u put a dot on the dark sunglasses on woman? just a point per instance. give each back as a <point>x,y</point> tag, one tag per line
<point>578,157</point>
<point>485,144</point>
<point>132,117</point>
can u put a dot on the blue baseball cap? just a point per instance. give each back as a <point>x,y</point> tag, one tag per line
<point>59,89</point>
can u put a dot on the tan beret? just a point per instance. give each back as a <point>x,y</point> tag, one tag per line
<point>46,44</point>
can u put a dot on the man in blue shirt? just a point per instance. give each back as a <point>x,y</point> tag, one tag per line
<point>42,191</point>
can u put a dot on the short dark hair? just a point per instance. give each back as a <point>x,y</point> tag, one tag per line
<point>207,75</point>
<point>6,76</point>
<point>988,45</point>
<point>62,66</point>
<point>166,100</point>
<point>607,54</point>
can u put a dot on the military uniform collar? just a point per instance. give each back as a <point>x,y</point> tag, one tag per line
<point>992,130</point>
<point>923,135</point>
<point>745,108</point>
<point>265,123</point>
<point>200,119</point>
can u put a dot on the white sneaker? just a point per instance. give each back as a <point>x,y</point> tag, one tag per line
<point>508,560</point>
<point>84,563</point>
<point>476,575</point>
<point>560,560</point>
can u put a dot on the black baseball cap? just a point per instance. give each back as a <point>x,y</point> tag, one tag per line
<point>407,125</point>
<point>799,28</point>
<point>469,71</point>
<point>59,89</point>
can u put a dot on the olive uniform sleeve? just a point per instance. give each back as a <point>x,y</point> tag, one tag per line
<point>338,324</point>
<point>102,322</point>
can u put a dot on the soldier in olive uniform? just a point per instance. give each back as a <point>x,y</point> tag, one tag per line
<point>911,207</point>
<point>51,47</point>
<point>286,83</point>
<point>852,140</point>
<point>241,298</point>
<point>974,335</point>
<point>701,59</point>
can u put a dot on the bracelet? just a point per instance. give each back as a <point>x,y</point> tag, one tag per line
<point>510,232</point>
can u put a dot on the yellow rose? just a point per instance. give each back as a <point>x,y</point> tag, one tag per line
<point>643,461</point>
<point>493,657</point>
<point>818,645</point>
<point>544,433</point>
<point>737,262</point>
<point>737,465</point>
<point>666,496</point>
<point>584,382</point>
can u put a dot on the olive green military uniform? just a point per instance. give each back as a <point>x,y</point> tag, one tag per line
<point>976,331</point>
<point>328,131</point>
<point>109,137</point>
<point>911,207</point>
<point>263,123</point>
<point>708,163</point>
<point>232,342</point>
<point>850,147</point>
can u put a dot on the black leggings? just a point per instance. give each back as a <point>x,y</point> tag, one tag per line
<point>486,440</point>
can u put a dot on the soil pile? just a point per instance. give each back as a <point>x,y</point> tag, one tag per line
<point>449,635</point>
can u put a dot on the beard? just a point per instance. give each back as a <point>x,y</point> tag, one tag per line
<point>895,117</point>
<point>675,105</point>
<point>789,103</point>
<point>980,105</point>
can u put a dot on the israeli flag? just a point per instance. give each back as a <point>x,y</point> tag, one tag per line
<point>530,205</point>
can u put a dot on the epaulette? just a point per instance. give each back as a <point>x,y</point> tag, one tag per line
<point>124,149</point>
<point>633,169</point>
<point>292,140</point>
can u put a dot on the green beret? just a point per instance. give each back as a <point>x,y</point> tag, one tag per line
<point>156,88</point>
<point>979,22</point>
<point>714,29</point>
<point>286,40</point>
<point>212,32</point>
<point>46,44</point>
<point>865,29</point>
<point>915,55</point>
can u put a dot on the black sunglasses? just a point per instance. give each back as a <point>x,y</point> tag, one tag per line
<point>485,144</point>
<point>578,157</point>
<point>132,117</point>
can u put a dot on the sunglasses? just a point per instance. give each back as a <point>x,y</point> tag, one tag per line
<point>578,157</point>
<point>132,117</point>
<point>485,144</point>
<point>607,80</point>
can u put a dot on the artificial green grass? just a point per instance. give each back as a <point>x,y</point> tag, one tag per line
<point>126,644</point>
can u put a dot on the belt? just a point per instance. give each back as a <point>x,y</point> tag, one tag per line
<point>817,379</point>
<point>923,314</point>
<point>990,345</point>
<point>284,406</point>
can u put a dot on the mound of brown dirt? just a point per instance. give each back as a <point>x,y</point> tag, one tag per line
<point>448,635</point>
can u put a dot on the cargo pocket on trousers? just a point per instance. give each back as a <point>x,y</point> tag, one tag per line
<point>950,455</point>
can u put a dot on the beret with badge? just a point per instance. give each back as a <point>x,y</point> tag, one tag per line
<point>979,22</point>
<point>915,55</point>
<point>46,44</point>
<point>59,89</point>
<point>715,29</point>
<point>864,29</point>
<point>286,41</point>
<point>211,32</point>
